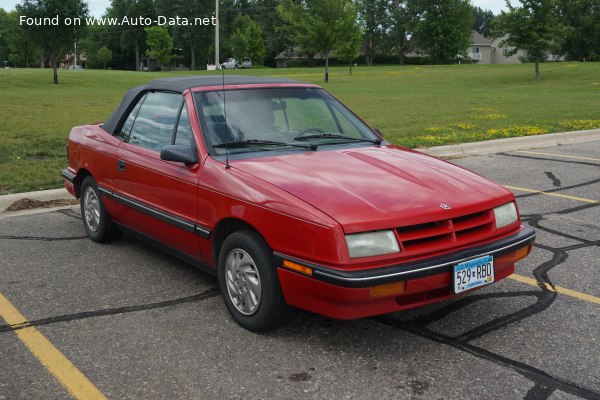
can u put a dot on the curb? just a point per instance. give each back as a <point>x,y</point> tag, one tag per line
<point>43,195</point>
<point>457,150</point>
<point>512,144</point>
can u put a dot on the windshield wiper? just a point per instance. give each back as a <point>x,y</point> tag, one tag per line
<point>338,136</point>
<point>258,142</point>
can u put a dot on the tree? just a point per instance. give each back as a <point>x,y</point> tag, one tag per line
<point>270,25</point>
<point>482,21</point>
<point>349,49</point>
<point>132,34</point>
<point>195,38</point>
<point>295,30</point>
<point>102,57</point>
<point>160,43</point>
<point>582,29</point>
<point>531,27</point>
<point>4,52</point>
<point>15,46</point>
<point>442,28</point>
<point>53,39</point>
<point>400,21</point>
<point>372,17</point>
<point>247,40</point>
<point>319,25</point>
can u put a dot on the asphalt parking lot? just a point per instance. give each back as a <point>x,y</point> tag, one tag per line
<point>126,321</point>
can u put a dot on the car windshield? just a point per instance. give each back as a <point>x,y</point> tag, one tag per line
<point>274,119</point>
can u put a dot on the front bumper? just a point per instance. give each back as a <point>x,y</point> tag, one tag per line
<point>348,294</point>
<point>69,178</point>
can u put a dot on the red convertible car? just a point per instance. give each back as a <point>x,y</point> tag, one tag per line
<point>290,199</point>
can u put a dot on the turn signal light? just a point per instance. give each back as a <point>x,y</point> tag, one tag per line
<point>390,289</point>
<point>297,267</point>
<point>522,252</point>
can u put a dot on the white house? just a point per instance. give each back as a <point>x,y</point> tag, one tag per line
<point>485,51</point>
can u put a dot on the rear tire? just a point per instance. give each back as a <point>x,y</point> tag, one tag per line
<point>96,221</point>
<point>249,282</point>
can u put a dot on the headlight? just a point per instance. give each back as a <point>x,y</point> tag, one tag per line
<point>505,215</point>
<point>372,244</point>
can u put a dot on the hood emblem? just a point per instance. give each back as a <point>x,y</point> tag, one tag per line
<point>445,206</point>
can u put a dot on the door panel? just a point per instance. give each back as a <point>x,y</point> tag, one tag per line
<point>162,187</point>
<point>160,196</point>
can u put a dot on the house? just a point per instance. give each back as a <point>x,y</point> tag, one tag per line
<point>486,51</point>
<point>69,60</point>
<point>500,54</point>
<point>295,56</point>
<point>176,63</point>
<point>480,49</point>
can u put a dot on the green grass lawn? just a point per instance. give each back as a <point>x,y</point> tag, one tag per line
<point>412,105</point>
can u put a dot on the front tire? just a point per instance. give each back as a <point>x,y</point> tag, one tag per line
<point>96,221</point>
<point>249,282</point>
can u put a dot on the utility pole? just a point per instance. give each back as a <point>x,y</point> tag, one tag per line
<point>218,65</point>
<point>75,51</point>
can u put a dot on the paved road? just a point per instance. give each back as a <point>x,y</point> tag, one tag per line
<point>139,324</point>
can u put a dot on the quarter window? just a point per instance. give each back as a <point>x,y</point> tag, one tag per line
<point>153,127</point>
<point>184,129</point>
<point>126,128</point>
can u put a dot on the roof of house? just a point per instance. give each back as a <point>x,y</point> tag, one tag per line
<point>480,40</point>
<point>180,84</point>
<point>295,54</point>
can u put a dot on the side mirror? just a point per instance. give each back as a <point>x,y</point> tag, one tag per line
<point>379,132</point>
<point>179,153</point>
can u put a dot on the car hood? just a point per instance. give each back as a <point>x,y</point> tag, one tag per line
<point>378,187</point>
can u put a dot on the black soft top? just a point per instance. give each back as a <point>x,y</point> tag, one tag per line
<point>180,84</point>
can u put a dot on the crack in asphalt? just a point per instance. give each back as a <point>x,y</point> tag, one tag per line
<point>69,212</point>
<point>462,302</point>
<point>207,294</point>
<point>555,181</point>
<point>539,392</point>
<point>589,164</point>
<point>533,374</point>
<point>560,189</point>
<point>44,238</point>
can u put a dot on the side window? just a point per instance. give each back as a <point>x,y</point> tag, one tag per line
<point>126,128</point>
<point>155,121</point>
<point>184,129</point>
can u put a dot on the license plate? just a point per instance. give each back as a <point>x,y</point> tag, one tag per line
<point>473,273</point>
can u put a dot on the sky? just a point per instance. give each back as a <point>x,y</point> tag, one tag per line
<point>97,7</point>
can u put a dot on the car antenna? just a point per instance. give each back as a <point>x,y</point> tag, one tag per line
<point>227,166</point>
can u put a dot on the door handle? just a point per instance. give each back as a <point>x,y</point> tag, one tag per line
<point>121,165</point>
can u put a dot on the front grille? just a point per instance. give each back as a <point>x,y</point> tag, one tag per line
<point>446,234</point>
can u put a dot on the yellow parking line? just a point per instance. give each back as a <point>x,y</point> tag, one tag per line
<point>65,372</point>
<point>558,155</point>
<point>563,196</point>
<point>557,289</point>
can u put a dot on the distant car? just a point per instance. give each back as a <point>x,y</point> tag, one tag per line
<point>231,63</point>
<point>76,66</point>
<point>290,199</point>
<point>246,63</point>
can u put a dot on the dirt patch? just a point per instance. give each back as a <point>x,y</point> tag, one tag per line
<point>28,204</point>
